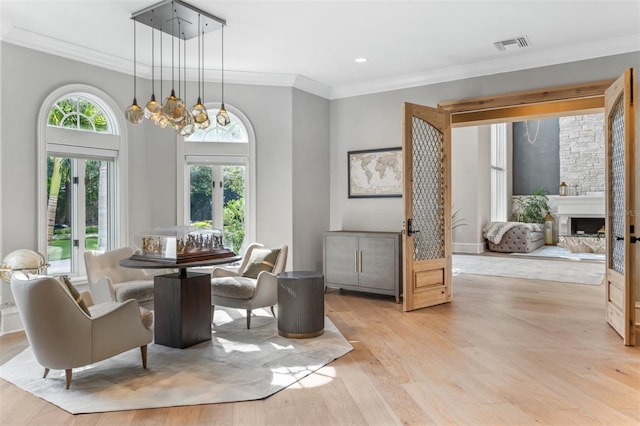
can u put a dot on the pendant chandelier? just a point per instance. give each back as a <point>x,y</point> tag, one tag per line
<point>181,22</point>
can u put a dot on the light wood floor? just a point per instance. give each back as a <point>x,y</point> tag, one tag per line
<point>506,351</point>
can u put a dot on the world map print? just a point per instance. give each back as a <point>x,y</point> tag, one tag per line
<point>375,173</point>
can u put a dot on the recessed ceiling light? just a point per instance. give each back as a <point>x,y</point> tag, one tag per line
<point>361,60</point>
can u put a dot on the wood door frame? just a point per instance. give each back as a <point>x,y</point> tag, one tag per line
<point>556,101</point>
<point>574,99</point>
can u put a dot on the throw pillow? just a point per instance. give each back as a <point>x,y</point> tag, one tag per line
<point>74,293</point>
<point>261,260</point>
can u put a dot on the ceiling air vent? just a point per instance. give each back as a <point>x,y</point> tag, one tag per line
<point>512,43</point>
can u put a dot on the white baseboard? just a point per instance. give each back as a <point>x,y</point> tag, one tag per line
<point>472,248</point>
<point>9,320</point>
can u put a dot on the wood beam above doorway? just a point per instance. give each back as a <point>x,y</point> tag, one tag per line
<point>538,103</point>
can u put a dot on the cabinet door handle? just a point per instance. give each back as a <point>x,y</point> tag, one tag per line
<point>360,261</point>
<point>355,261</point>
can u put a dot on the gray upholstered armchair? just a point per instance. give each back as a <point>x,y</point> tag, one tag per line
<point>111,282</point>
<point>254,284</point>
<point>63,336</point>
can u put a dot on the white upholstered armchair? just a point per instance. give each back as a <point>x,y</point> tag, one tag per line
<point>111,282</point>
<point>63,336</point>
<point>254,284</point>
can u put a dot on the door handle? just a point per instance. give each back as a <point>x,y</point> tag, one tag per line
<point>410,230</point>
<point>633,239</point>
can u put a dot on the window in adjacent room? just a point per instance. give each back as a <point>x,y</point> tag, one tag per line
<point>499,196</point>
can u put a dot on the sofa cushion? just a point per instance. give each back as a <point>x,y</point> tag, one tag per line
<point>74,293</point>
<point>233,287</point>
<point>261,259</point>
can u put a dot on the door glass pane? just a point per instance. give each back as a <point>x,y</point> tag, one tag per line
<point>234,206</point>
<point>617,189</point>
<point>200,196</point>
<point>428,191</point>
<point>96,205</point>
<point>216,206</point>
<point>59,213</point>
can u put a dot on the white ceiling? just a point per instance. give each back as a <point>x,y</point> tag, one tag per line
<point>312,44</point>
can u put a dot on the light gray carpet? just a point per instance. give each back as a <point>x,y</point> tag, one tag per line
<point>558,252</point>
<point>236,365</point>
<point>577,271</point>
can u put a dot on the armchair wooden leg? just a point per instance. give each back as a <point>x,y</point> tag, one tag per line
<point>46,371</point>
<point>273,312</point>
<point>143,351</point>
<point>248,319</point>
<point>67,373</point>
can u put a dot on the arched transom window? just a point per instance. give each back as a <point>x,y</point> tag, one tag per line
<point>80,113</point>
<point>235,131</point>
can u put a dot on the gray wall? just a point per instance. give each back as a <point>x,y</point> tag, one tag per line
<point>310,178</point>
<point>33,75</point>
<point>375,121</point>
<point>536,158</point>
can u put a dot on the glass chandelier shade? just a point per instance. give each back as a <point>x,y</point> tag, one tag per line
<point>134,113</point>
<point>222,117</point>
<point>200,115</point>
<point>153,109</point>
<point>173,112</point>
<point>189,126</point>
<point>174,109</point>
<point>199,111</point>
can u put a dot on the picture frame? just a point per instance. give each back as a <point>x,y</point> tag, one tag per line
<point>375,173</point>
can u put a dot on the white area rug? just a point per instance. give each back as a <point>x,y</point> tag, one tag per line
<point>236,365</point>
<point>571,271</point>
<point>558,252</point>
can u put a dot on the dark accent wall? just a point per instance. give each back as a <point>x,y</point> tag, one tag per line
<point>536,156</point>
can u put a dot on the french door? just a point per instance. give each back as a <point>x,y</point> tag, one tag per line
<point>426,146</point>
<point>217,200</point>
<point>621,205</point>
<point>80,211</point>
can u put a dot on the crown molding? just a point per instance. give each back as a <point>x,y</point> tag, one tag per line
<point>39,42</point>
<point>515,62</point>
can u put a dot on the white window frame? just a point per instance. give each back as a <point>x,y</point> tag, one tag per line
<point>55,141</point>
<point>220,153</point>
<point>499,196</point>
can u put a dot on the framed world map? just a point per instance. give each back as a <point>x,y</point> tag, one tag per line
<point>375,173</point>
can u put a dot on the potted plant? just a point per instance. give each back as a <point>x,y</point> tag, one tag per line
<point>532,208</point>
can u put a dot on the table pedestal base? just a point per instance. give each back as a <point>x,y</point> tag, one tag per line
<point>182,309</point>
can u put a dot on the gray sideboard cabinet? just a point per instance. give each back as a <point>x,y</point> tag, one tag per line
<point>363,261</point>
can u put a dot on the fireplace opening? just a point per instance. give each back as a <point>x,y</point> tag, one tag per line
<point>586,225</point>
